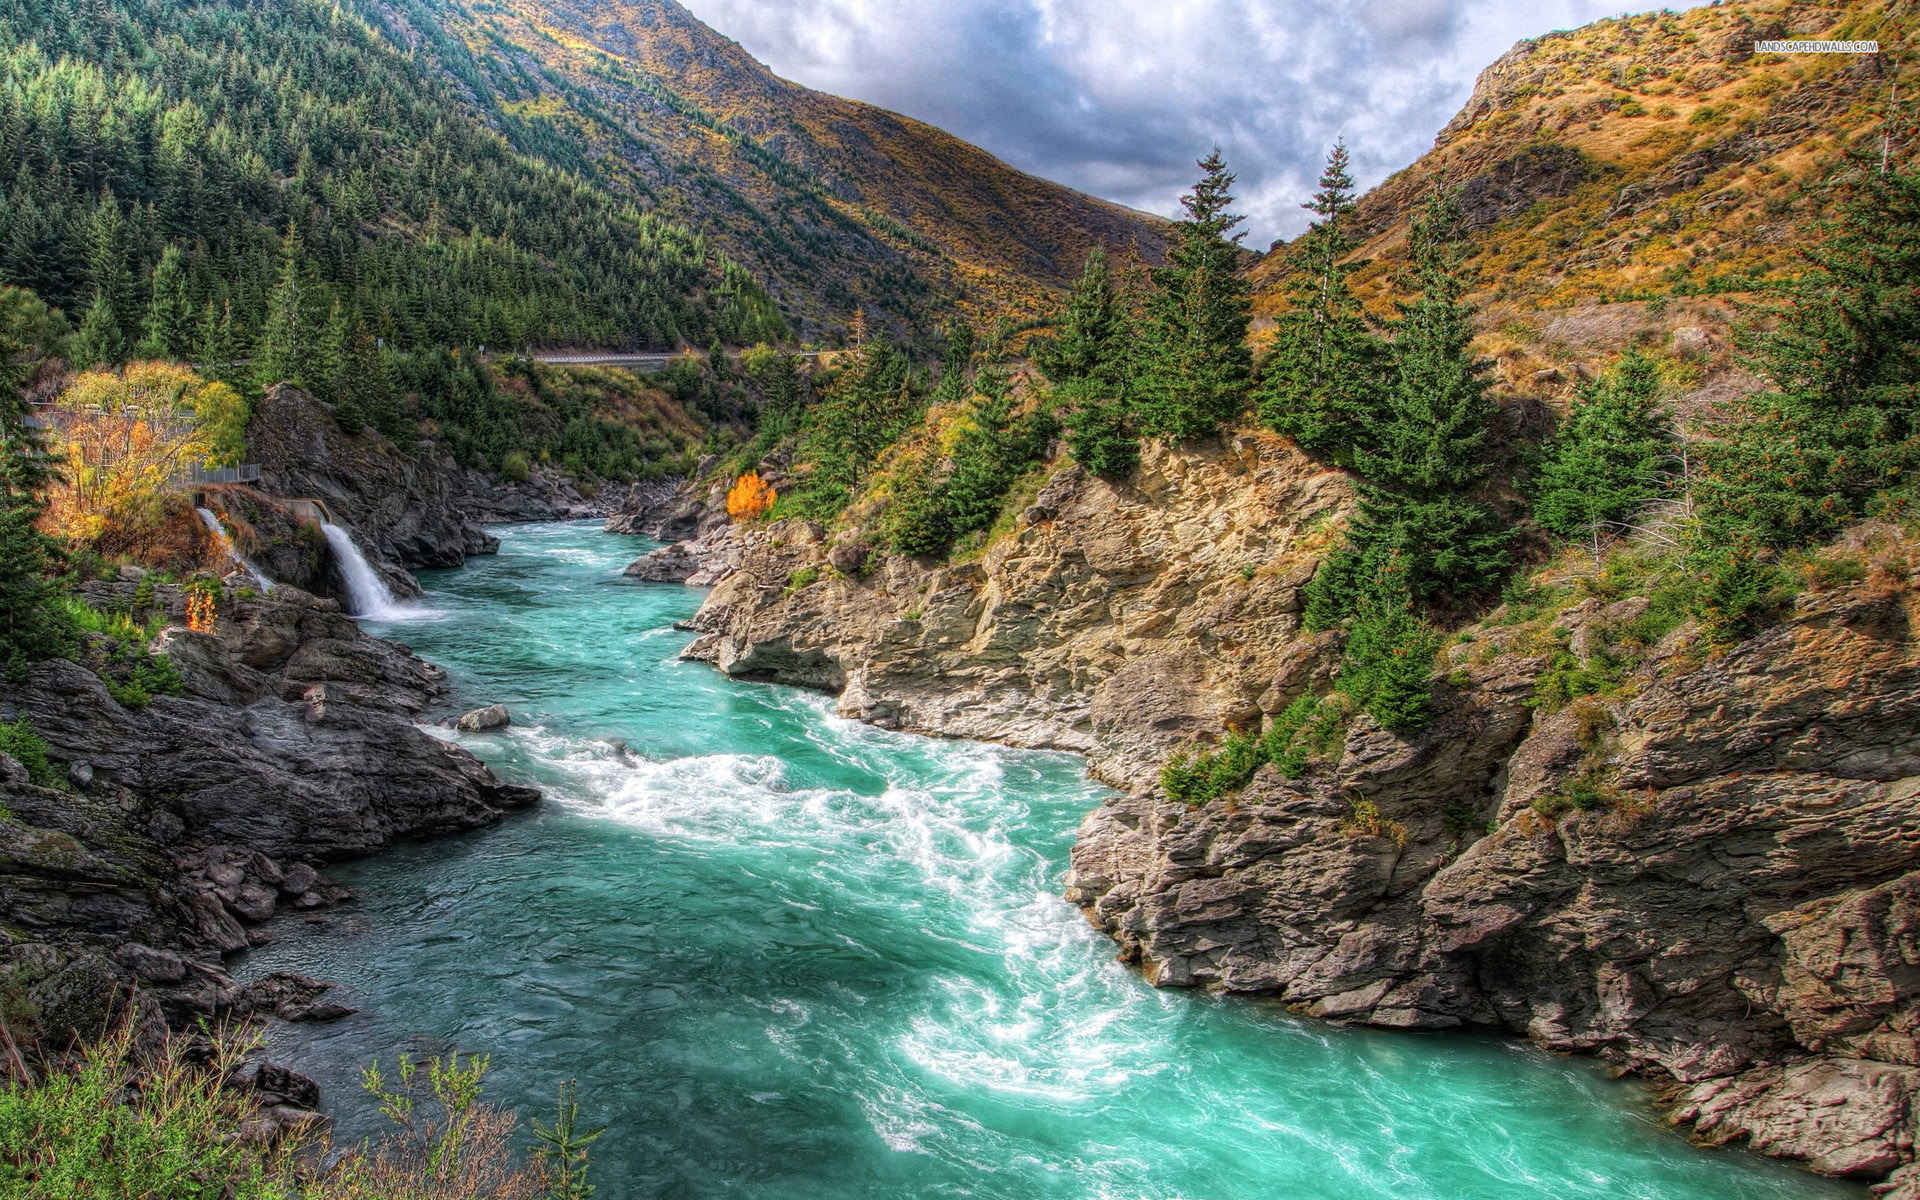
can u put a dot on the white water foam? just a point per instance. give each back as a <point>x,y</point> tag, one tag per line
<point>371,598</point>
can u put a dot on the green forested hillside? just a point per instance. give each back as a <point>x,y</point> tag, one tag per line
<point>128,127</point>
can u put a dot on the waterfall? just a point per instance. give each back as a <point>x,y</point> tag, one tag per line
<point>365,588</point>
<point>220,535</point>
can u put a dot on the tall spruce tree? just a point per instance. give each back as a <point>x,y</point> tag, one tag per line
<point>167,331</point>
<point>215,352</point>
<point>1792,465</point>
<point>1322,382</point>
<point>1426,454</point>
<point>866,408</point>
<point>102,338</point>
<point>1091,333</point>
<point>1089,363</point>
<point>955,382</point>
<point>1605,462</point>
<point>1390,650</point>
<point>1196,368</point>
<point>33,623</point>
<point>286,341</point>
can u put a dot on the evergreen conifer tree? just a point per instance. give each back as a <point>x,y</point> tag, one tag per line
<point>861,414</point>
<point>167,331</point>
<point>954,382</point>
<point>1427,452</point>
<point>1196,369</point>
<point>1792,465</point>
<point>1090,340</point>
<point>33,623</point>
<point>1321,382</point>
<point>1088,362</point>
<point>1604,463</point>
<point>283,355</point>
<point>1390,651</point>
<point>99,343</point>
<point>215,353</point>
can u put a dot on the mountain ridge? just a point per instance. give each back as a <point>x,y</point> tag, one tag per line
<point>896,215</point>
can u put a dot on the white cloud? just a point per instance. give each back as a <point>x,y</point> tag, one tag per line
<point>1119,97</point>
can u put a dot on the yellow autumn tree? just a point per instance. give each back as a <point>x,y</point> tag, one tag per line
<point>121,437</point>
<point>750,497</point>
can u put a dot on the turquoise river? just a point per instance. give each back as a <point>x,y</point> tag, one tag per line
<point>791,957</point>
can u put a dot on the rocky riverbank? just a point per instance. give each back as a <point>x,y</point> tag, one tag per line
<point>1708,875</point>
<point>170,833</point>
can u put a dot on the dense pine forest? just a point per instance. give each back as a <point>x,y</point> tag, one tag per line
<point>190,180</point>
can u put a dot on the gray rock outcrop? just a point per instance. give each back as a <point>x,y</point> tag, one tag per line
<point>1737,920</point>
<point>187,823</point>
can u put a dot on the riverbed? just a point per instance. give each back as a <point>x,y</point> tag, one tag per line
<point>792,957</point>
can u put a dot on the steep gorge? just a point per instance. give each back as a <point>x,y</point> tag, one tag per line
<point>1739,922</point>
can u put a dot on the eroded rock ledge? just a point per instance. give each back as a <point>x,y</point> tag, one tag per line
<point>1743,923</point>
<point>181,828</point>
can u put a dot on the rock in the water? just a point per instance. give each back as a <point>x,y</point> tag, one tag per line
<point>493,716</point>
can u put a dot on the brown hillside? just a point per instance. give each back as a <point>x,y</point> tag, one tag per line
<point>1643,158</point>
<point>835,204</point>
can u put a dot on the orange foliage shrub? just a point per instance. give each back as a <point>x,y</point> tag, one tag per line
<point>750,497</point>
<point>120,437</point>
<point>202,611</point>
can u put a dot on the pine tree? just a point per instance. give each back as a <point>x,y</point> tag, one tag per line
<point>1427,453</point>
<point>108,277</point>
<point>1791,466</point>
<point>326,369</point>
<point>1388,663</point>
<point>1604,463</point>
<point>1321,383</point>
<point>99,342</point>
<point>1196,368</point>
<point>782,398</point>
<point>167,330</point>
<point>986,460</point>
<point>1088,362</point>
<point>215,353</point>
<point>955,384</point>
<point>367,385</point>
<point>33,623</point>
<point>285,341</point>
<point>862,413</point>
<point>1091,333</point>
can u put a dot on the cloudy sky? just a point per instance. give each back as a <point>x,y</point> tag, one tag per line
<point>1118,97</point>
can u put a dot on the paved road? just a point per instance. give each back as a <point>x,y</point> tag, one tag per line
<point>614,358</point>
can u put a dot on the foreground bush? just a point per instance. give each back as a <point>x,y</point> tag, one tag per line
<point>127,1123</point>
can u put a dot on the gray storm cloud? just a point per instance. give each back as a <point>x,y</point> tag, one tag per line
<point>1119,97</point>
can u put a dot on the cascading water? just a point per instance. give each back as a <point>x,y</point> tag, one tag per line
<point>787,955</point>
<point>240,560</point>
<point>368,592</point>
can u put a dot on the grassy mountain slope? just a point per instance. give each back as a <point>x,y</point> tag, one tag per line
<point>836,204</point>
<point>1643,156</point>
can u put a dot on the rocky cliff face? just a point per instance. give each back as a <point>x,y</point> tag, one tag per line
<point>179,828</point>
<point>405,506</point>
<point>1735,914</point>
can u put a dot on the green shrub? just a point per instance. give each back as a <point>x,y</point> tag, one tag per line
<point>1568,677</point>
<point>1583,793</point>
<point>1737,592</point>
<point>124,1124</point>
<point>805,577</point>
<point>1209,775</point>
<point>21,742</point>
<point>1289,742</point>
